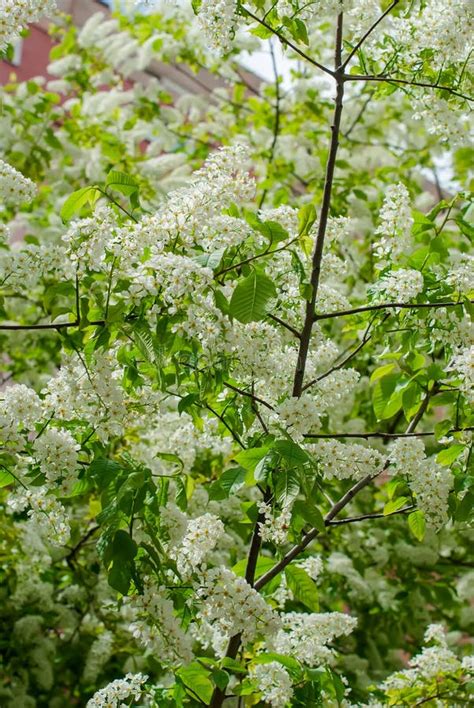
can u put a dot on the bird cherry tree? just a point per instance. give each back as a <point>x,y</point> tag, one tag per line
<point>237,358</point>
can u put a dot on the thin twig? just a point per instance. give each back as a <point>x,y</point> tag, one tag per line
<point>381,515</point>
<point>288,42</point>
<point>406,82</point>
<point>386,306</point>
<point>369,32</point>
<point>323,219</point>
<point>380,434</point>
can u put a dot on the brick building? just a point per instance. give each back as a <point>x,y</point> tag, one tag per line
<point>32,56</point>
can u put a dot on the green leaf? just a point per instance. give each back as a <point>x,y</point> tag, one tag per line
<point>291,452</point>
<point>306,218</point>
<point>78,199</point>
<point>394,505</point>
<point>6,478</point>
<point>287,486</point>
<point>250,458</point>
<point>196,680</point>
<point>120,576</point>
<point>465,507</point>
<point>310,513</point>
<point>232,479</point>
<point>382,371</point>
<point>123,546</point>
<point>450,454</point>
<point>417,524</point>
<point>250,297</point>
<point>171,457</point>
<point>264,468</point>
<point>303,587</point>
<point>263,565</point>
<point>288,662</point>
<point>121,182</point>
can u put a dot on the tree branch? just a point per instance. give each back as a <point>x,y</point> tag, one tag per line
<point>353,519</point>
<point>323,219</point>
<point>380,434</point>
<point>288,42</point>
<point>338,506</point>
<point>386,306</point>
<point>406,82</point>
<point>369,32</point>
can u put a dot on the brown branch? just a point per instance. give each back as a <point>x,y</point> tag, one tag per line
<point>254,398</point>
<point>59,325</point>
<point>365,340</point>
<point>380,434</point>
<point>323,220</point>
<point>353,519</point>
<point>338,506</point>
<point>288,43</point>
<point>284,324</point>
<point>406,82</point>
<point>369,32</point>
<point>386,306</point>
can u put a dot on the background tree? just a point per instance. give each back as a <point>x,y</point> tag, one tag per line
<point>236,414</point>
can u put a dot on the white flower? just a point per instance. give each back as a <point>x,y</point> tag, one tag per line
<point>273,682</point>
<point>400,285</point>
<point>130,687</point>
<point>275,526</point>
<point>156,626</point>
<point>463,364</point>
<point>56,451</point>
<point>395,223</point>
<point>46,511</point>
<point>347,461</point>
<point>313,565</point>
<point>232,606</point>
<point>15,189</point>
<point>218,18</point>
<point>200,538</point>
<point>300,415</point>
<point>305,636</point>
<point>430,482</point>
<point>16,14</point>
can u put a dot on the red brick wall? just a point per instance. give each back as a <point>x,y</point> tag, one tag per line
<point>34,57</point>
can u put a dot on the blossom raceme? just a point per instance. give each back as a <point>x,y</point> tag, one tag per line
<point>15,189</point>
<point>16,14</point>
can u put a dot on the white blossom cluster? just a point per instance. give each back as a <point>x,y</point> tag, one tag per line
<point>300,415</point>
<point>463,364</point>
<point>114,694</point>
<point>274,683</point>
<point>444,27</point>
<point>16,14</point>
<point>15,189</point>
<point>306,636</point>
<point>98,655</point>
<point>431,662</point>
<point>402,285</point>
<point>156,626</point>
<point>430,482</point>
<point>313,565</point>
<point>347,460</point>
<point>92,394</point>
<point>56,452</point>
<point>218,19</point>
<point>394,230</point>
<point>202,535</point>
<point>46,511</point>
<point>20,409</point>
<point>461,273</point>
<point>232,606</point>
<point>275,526</point>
